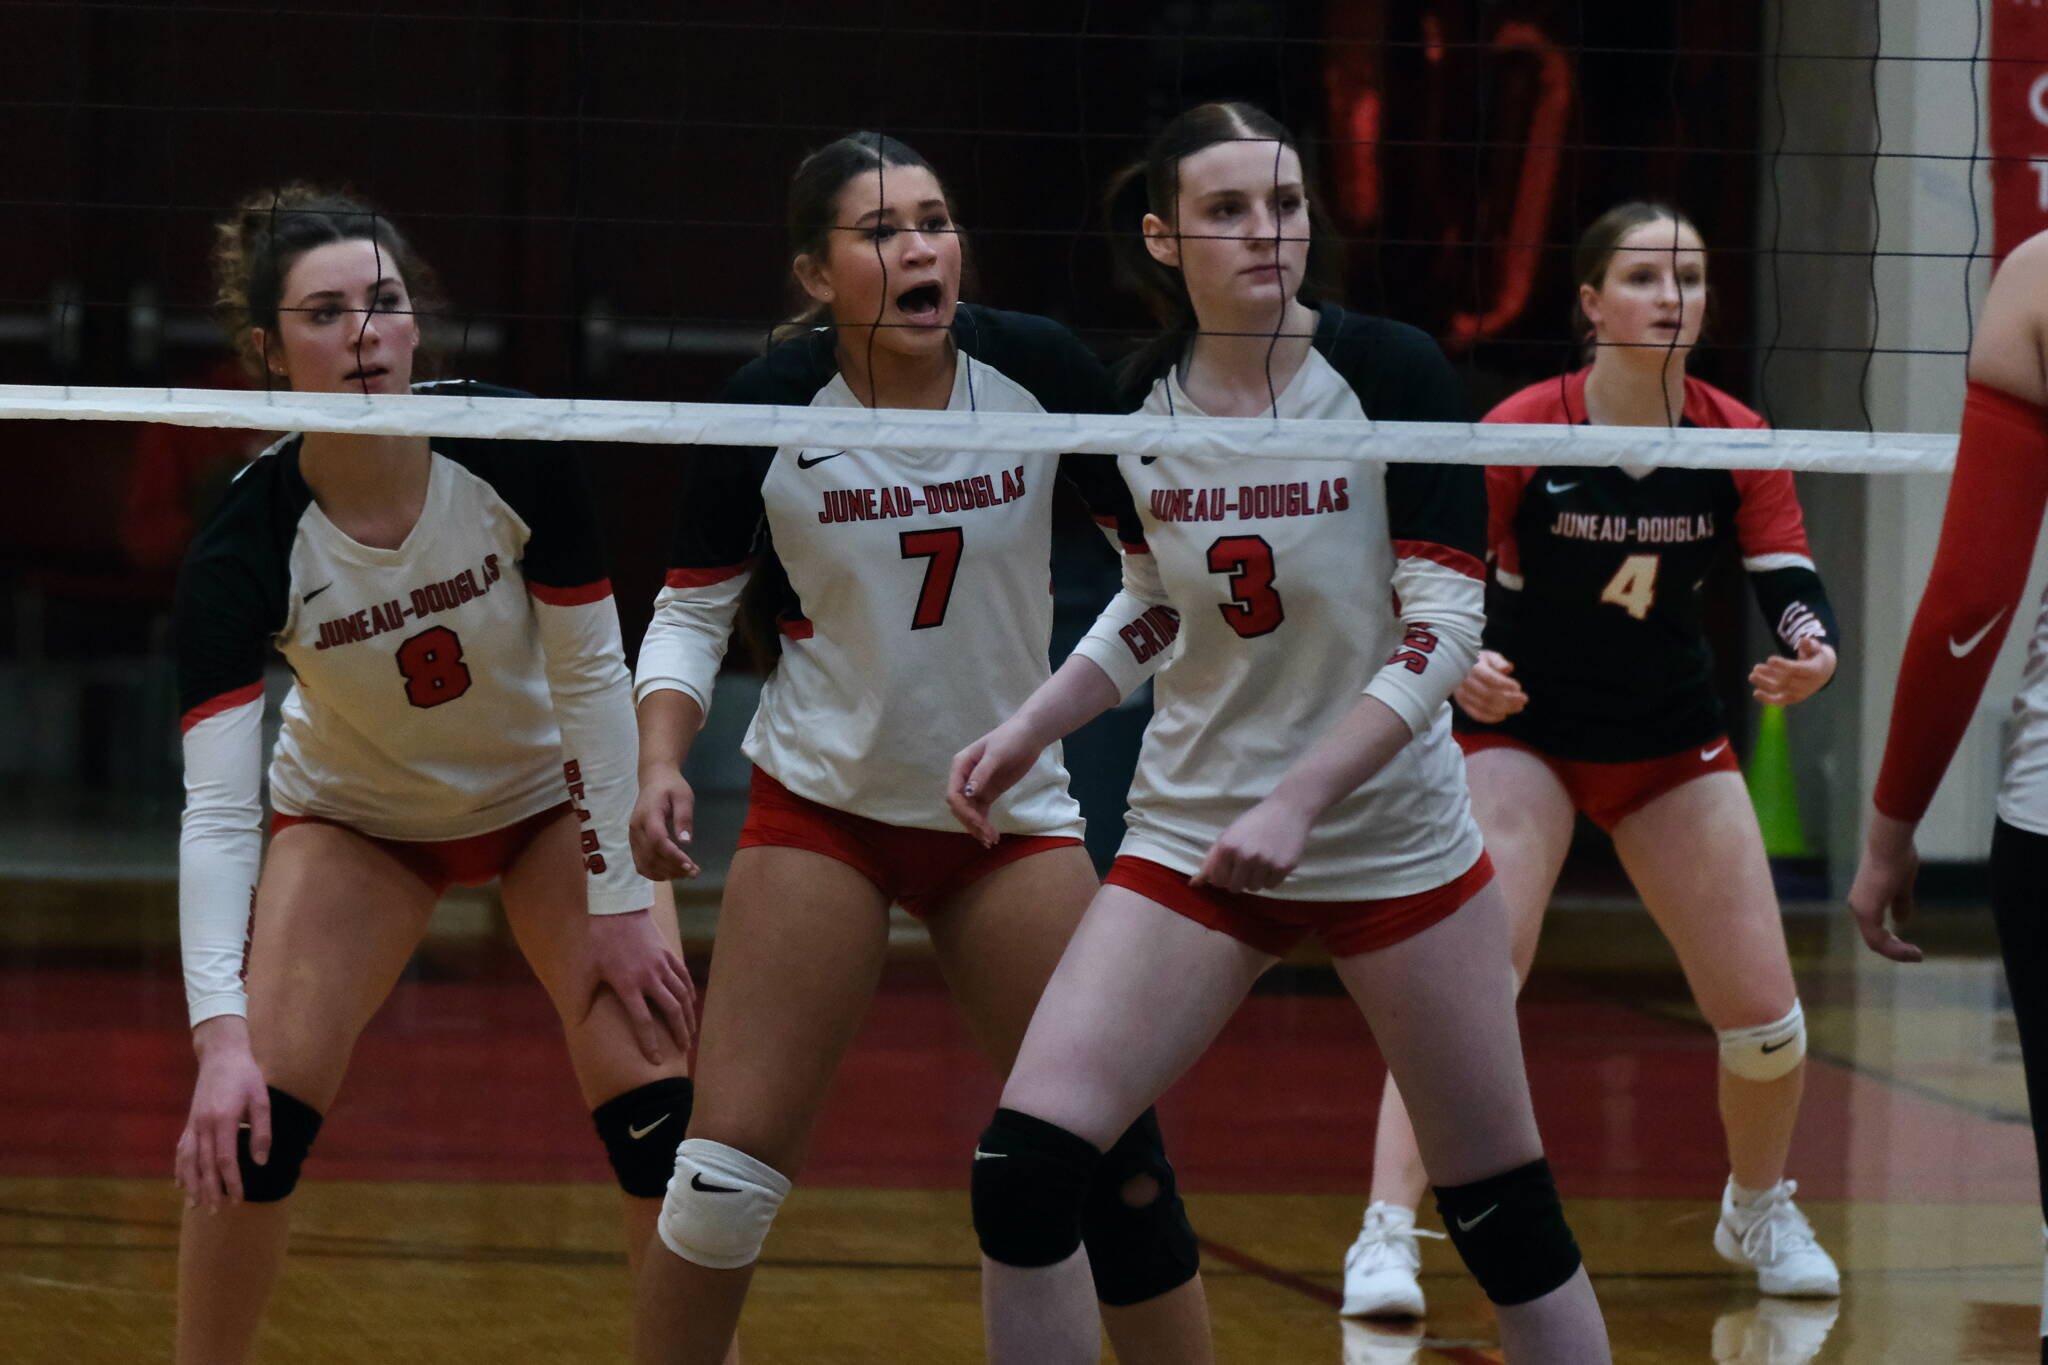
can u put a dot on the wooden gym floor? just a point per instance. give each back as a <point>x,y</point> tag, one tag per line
<point>457,1208</point>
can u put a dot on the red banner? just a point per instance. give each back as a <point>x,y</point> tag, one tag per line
<point>2019,122</point>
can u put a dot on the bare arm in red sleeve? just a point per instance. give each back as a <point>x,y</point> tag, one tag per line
<point>1995,503</point>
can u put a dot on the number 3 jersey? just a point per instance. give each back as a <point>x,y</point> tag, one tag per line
<point>913,591</point>
<point>1600,607</point>
<point>447,688</point>
<point>1301,584</point>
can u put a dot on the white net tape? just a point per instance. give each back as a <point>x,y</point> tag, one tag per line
<point>999,433</point>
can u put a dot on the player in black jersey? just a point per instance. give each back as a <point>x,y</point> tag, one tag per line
<point>1298,775</point>
<point>460,710</point>
<point>1593,694</point>
<point>909,592</point>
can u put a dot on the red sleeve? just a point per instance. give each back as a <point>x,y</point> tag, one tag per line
<point>1768,522</point>
<point>1707,406</point>
<point>1560,400</point>
<point>1548,401</point>
<point>1994,511</point>
<point>1505,485</point>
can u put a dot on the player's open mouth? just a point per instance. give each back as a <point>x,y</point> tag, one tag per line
<point>921,305</point>
<point>365,375</point>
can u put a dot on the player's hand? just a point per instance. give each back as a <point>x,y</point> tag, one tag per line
<point>629,956</point>
<point>660,829</point>
<point>1489,694</point>
<point>1257,851</point>
<point>984,770</point>
<point>1884,883</point>
<point>229,1095</point>
<point>1780,681</point>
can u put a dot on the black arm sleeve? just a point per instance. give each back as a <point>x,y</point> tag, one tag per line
<point>1400,374</point>
<point>233,586</point>
<point>1795,605</point>
<point>720,520</point>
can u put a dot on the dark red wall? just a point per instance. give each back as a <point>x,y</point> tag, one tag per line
<point>548,155</point>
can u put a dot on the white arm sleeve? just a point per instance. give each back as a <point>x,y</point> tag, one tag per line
<point>586,665</point>
<point>220,849</point>
<point>1443,611</point>
<point>685,642</point>
<point>1135,633</point>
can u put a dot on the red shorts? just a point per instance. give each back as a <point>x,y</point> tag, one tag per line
<point>1611,792</point>
<point>1274,926</point>
<point>450,862</point>
<point>917,868</point>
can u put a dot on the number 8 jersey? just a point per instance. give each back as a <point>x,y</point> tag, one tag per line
<point>450,687</point>
<point>1299,585</point>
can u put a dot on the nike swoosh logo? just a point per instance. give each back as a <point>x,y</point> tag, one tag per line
<point>980,1155</point>
<point>1768,1048</point>
<point>697,1183</point>
<point>637,1133</point>
<point>1709,755</point>
<point>1464,1226</point>
<point>1959,650</point>
<point>802,463</point>
<point>316,592</point>
<point>1550,486</point>
<point>1147,459</point>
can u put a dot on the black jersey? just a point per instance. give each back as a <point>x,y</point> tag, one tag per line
<point>1599,575</point>
<point>914,589</point>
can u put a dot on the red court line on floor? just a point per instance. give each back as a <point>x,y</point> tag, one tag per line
<point>1286,1279</point>
<point>1301,1284</point>
<point>462,1077</point>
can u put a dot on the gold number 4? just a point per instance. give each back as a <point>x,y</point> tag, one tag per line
<point>1634,586</point>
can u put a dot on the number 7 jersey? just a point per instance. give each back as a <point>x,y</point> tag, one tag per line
<point>917,610</point>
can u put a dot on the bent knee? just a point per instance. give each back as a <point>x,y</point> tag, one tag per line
<point>719,1206</point>
<point>1765,1052</point>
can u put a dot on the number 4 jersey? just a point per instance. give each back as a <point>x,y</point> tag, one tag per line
<point>1301,584</point>
<point>1600,609</point>
<point>447,688</point>
<point>917,609</point>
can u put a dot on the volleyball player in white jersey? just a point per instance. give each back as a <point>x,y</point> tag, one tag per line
<point>1995,504</point>
<point>910,595</point>
<point>460,710</point>
<point>1298,775</point>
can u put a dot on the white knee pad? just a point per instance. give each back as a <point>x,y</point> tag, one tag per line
<point>719,1205</point>
<point>1768,1051</point>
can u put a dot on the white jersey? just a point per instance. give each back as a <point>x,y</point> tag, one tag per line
<point>433,684</point>
<point>1285,575</point>
<point>917,608</point>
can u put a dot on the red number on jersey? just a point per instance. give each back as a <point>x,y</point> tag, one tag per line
<point>942,548</point>
<point>1254,608</point>
<point>432,664</point>
<point>1416,647</point>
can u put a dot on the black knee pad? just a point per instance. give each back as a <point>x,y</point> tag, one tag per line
<point>293,1126</point>
<point>641,1130</point>
<point>1137,1252</point>
<point>1511,1231</point>
<point>1030,1184</point>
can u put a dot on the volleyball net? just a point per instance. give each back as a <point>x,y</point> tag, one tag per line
<point>602,192</point>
